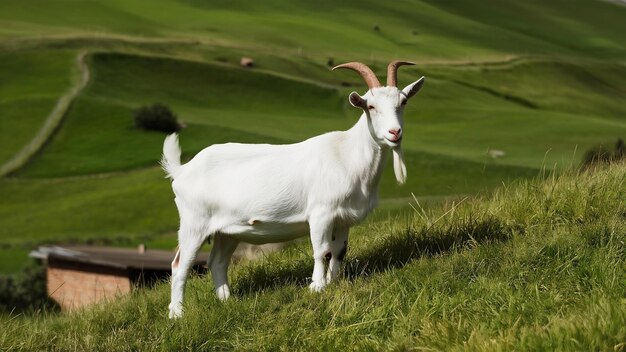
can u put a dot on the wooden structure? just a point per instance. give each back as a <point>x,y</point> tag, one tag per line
<point>83,275</point>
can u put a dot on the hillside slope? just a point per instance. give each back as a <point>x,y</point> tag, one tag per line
<point>421,29</point>
<point>539,82</point>
<point>539,265</point>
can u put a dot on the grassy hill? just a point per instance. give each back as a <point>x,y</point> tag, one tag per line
<point>496,256</point>
<point>31,84</point>
<point>537,266</point>
<point>421,29</point>
<point>540,81</point>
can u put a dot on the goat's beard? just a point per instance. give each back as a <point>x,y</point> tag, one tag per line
<point>398,164</point>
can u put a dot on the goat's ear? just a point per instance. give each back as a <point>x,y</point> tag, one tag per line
<point>357,101</point>
<point>414,87</point>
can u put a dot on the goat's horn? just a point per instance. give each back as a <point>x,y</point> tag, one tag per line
<point>366,72</point>
<point>392,72</point>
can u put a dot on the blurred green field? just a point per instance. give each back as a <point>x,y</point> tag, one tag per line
<point>421,29</point>
<point>542,82</point>
<point>30,84</point>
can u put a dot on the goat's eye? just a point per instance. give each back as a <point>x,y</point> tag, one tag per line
<point>371,107</point>
<point>403,102</point>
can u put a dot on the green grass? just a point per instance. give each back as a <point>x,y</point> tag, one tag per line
<point>12,260</point>
<point>98,131</point>
<point>81,209</point>
<point>538,112</point>
<point>451,30</point>
<point>559,23</point>
<point>537,266</point>
<point>30,84</point>
<point>590,89</point>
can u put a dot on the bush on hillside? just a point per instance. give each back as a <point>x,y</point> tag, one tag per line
<point>602,155</point>
<point>25,290</point>
<point>157,117</point>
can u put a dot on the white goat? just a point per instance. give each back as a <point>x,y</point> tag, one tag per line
<point>261,193</point>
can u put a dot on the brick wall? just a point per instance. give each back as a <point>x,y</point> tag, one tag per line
<point>73,285</point>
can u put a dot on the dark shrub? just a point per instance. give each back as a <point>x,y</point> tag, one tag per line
<point>596,155</point>
<point>620,150</point>
<point>603,155</point>
<point>156,117</point>
<point>25,290</point>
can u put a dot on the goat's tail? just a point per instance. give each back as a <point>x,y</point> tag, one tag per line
<point>170,162</point>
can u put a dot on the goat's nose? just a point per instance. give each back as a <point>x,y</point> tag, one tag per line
<point>397,133</point>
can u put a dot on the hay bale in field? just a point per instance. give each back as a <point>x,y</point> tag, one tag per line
<point>246,62</point>
<point>495,153</point>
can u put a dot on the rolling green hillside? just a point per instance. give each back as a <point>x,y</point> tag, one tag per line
<point>540,81</point>
<point>421,29</point>
<point>537,266</point>
<point>30,84</point>
<point>495,256</point>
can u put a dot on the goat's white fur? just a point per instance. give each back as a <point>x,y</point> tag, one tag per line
<point>261,193</point>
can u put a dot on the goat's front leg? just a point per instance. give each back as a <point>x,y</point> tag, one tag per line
<point>321,227</point>
<point>338,249</point>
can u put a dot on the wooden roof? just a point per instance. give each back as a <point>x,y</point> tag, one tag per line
<point>114,257</point>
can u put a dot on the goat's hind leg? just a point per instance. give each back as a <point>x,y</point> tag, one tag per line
<point>223,248</point>
<point>189,242</point>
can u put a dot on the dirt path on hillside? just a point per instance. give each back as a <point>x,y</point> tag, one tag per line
<point>10,45</point>
<point>52,122</point>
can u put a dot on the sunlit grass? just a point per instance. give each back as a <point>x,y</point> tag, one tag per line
<point>538,265</point>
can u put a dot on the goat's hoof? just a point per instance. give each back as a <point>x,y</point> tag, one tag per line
<point>176,311</point>
<point>316,286</point>
<point>223,293</point>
